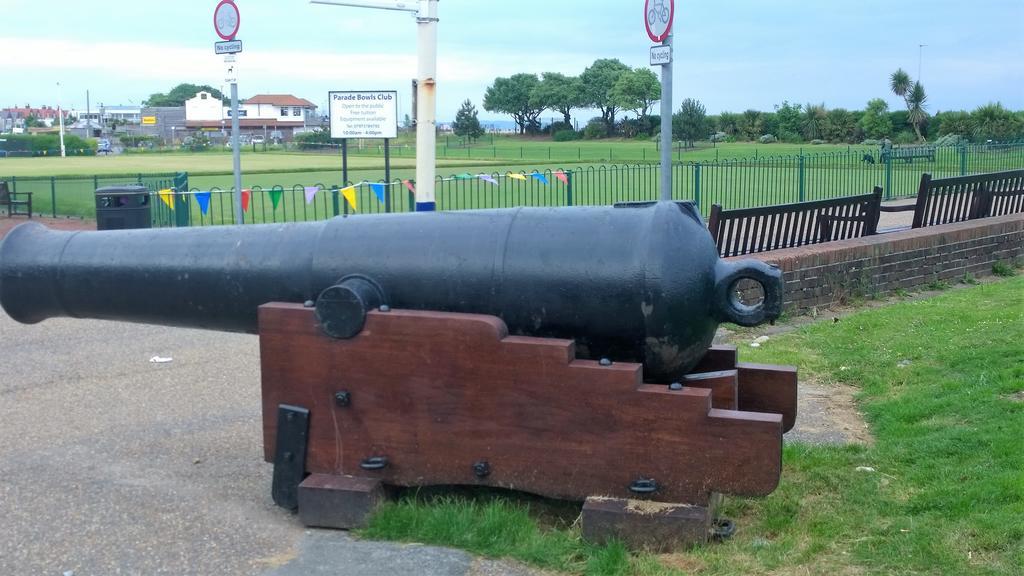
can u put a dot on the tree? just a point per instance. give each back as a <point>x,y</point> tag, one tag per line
<point>467,123</point>
<point>993,122</point>
<point>954,122</point>
<point>914,97</point>
<point>598,81</point>
<point>728,123</point>
<point>875,120</point>
<point>636,90</point>
<point>750,124</point>
<point>842,126</point>
<point>691,122</point>
<point>899,82</point>
<point>770,124</point>
<point>180,93</point>
<point>787,120</point>
<point>516,96</point>
<point>814,121</point>
<point>560,93</point>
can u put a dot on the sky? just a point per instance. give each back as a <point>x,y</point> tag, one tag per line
<point>730,54</point>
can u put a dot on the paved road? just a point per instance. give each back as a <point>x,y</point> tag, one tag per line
<point>111,464</point>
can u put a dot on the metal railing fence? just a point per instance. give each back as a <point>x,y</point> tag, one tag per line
<point>733,183</point>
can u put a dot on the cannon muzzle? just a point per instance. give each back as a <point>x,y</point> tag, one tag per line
<point>634,282</point>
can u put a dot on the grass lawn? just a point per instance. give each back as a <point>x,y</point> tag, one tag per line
<point>945,489</point>
<point>621,150</point>
<point>505,151</point>
<point>218,162</point>
<point>775,177</point>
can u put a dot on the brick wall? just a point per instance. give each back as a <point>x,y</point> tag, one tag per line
<point>825,274</point>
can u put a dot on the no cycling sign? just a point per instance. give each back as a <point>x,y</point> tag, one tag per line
<point>658,16</point>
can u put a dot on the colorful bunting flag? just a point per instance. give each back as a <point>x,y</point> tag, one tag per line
<point>562,177</point>
<point>246,195</point>
<point>516,175</point>
<point>350,196</point>
<point>275,196</point>
<point>378,190</point>
<point>311,193</point>
<point>464,176</point>
<point>203,199</point>
<point>167,195</point>
<point>488,178</point>
<point>408,185</point>
<point>539,176</point>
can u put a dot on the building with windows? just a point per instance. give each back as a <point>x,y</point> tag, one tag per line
<point>165,122</point>
<point>110,114</point>
<point>42,113</point>
<point>269,115</point>
<point>281,107</point>
<point>11,118</point>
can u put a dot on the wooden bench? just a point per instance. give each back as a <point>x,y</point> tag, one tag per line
<point>909,153</point>
<point>17,203</point>
<point>751,230</point>
<point>960,198</point>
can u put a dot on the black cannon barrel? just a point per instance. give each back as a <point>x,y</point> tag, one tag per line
<point>638,282</point>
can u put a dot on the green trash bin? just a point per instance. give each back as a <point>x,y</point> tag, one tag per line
<point>123,207</point>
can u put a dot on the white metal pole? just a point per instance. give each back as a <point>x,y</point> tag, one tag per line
<point>426,106</point>
<point>666,123</point>
<point>60,118</point>
<point>426,100</point>
<point>236,153</point>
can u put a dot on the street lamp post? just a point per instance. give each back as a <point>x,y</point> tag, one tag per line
<point>60,118</point>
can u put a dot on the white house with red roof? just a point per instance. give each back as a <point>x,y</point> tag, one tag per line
<point>268,114</point>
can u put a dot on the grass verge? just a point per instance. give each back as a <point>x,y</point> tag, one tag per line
<point>941,491</point>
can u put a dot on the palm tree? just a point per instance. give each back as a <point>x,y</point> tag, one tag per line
<point>899,81</point>
<point>750,124</point>
<point>728,123</point>
<point>815,117</point>
<point>913,96</point>
<point>915,106</point>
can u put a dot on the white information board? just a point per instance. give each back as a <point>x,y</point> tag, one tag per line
<point>230,68</point>
<point>661,55</point>
<point>364,114</point>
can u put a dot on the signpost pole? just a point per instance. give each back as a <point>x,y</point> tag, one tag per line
<point>666,124</point>
<point>658,17</point>
<point>387,174</point>
<point>426,107</point>
<point>225,22</point>
<point>344,162</point>
<point>236,153</point>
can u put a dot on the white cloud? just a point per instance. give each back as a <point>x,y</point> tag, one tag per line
<point>181,63</point>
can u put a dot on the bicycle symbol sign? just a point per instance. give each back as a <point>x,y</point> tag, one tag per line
<point>658,16</point>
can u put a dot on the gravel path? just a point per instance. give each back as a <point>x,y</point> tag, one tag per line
<point>112,464</point>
